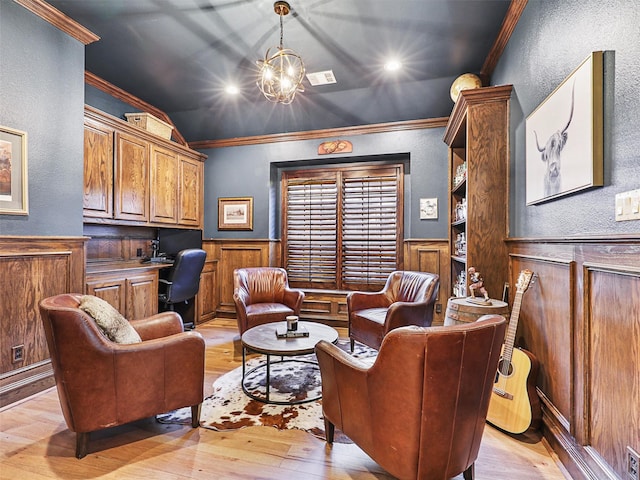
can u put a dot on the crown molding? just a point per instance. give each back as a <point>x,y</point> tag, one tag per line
<point>58,19</point>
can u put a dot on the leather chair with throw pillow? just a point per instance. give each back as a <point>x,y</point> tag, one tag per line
<point>262,295</point>
<point>407,298</point>
<point>419,411</point>
<point>101,383</point>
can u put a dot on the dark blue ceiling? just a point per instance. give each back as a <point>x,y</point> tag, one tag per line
<point>178,55</point>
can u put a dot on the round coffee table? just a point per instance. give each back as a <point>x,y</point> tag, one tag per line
<point>262,339</point>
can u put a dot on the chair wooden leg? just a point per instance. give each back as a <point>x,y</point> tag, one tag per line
<point>82,441</point>
<point>468,473</point>
<point>329,429</point>
<point>195,415</point>
<point>353,344</point>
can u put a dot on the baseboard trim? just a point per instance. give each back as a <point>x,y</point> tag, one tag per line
<point>20,384</point>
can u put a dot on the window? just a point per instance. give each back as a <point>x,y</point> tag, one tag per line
<point>342,228</point>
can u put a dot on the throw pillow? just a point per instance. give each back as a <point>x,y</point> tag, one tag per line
<point>115,326</point>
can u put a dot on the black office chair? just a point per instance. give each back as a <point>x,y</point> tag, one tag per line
<point>182,283</point>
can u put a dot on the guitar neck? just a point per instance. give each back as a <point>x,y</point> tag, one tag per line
<point>510,337</point>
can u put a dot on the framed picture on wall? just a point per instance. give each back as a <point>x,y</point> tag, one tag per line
<point>13,172</point>
<point>564,136</point>
<point>235,213</point>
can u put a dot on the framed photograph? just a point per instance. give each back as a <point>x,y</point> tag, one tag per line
<point>235,213</point>
<point>564,133</point>
<point>428,209</point>
<point>13,172</point>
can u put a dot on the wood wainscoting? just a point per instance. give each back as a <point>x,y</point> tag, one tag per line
<point>239,253</point>
<point>580,318</point>
<point>322,305</point>
<point>33,268</point>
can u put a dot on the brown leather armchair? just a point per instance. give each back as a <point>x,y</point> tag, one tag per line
<point>419,411</point>
<point>407,298</point>
<point>103,384</point>
<point>262,295</point>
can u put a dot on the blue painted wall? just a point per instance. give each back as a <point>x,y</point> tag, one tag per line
<point>42,93</point>
<point>251,171</point>
<point>551,39</point>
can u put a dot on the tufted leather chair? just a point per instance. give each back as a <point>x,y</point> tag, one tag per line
<point>407,298</point>
<point>262,295</point>
<point>419,411</point>
<point>103,384</point>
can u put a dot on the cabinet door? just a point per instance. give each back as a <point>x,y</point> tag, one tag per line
<point>142,296</point>
<point>132,178</point>
<point>164,186</point>
<point>98,171</point>
<point>112,291</point>
<point>191,192</point>
<point>207,298</point>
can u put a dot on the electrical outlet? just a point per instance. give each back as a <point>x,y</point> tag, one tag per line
<point>438,308</point>
<point>17,353</point>
<point>633,464</point>
<point>139,252</point>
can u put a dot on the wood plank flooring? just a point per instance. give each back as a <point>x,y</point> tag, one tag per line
<point>35,444</point>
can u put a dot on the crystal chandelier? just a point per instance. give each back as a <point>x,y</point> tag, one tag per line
<point>281,74</point>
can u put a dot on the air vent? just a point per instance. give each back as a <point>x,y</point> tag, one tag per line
<point>321,78</point>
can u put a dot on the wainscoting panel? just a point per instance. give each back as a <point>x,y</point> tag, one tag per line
<point>545,326</point>
<point>430,256</point>
<point>612,329</point>
<point>232,254</point>
<point>32,269</point>
<point>580,319</point>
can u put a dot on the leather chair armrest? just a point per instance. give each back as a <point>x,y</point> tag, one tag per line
<point>293,299</point>
<point>158,326</point>
<point>239,298</point>
<point>170,367</point>
<point>361,300</point>
<point>408,313</point>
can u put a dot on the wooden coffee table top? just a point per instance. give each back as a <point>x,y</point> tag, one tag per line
<point>262,339</point>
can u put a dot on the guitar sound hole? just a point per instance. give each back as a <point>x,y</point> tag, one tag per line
<point>504,368</point>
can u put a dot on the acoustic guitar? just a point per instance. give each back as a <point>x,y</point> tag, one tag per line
<point>514,404</point>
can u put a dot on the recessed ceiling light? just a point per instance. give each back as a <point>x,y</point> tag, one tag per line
<point>232,90</point>
<point>392,65</point>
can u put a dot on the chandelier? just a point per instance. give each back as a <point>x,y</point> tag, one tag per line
<point>282,72</point>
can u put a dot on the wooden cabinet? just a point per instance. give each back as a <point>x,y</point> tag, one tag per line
<point>133,177</point>
<point>207,298</point>
<point>131,186</point>
<point>98,170</point>
<point>190,192</point>
<point>133,292</point>
<point>164,185</point>
<point>478,138</point>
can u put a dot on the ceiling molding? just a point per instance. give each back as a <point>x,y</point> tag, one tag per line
<point>126,97</point>
<point>59,20</point>
<point>509,23</point>
<point>325,133</point>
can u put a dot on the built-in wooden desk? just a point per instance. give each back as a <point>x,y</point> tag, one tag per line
<point>130,286</point>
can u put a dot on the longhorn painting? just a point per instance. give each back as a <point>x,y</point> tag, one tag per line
<point>564,136</point>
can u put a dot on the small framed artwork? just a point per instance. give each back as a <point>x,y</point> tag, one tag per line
<point>564,136</point>
<point>13,172</point>
<point>235,213</point>
<point>428,209</point>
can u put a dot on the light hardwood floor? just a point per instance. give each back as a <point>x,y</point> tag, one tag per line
<point>37,445</point>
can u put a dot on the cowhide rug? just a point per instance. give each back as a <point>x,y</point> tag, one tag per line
<point>229,408</point>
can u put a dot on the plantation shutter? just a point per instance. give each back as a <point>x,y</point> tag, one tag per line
<point>311,232</point>
<point>370,239</point>
<point>342,227</point>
